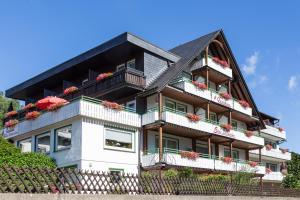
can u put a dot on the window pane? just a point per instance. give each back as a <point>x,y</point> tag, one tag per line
<point>119,138</point>
<point>213,117</point>
<point>234,125</point>
<point>201,148</point>
<point>25,145</point>
<point>43,143</point>
<point>172,144</point>
<point>131,64</point>
<point>170,104</point>
<point>181,107</point>
<point>63,137</point>
<point>235,154</point>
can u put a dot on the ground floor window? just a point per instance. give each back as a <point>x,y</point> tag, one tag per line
<point>271,166</point>
<point>25,145</point>
<point>168,143</point>
<point>63,138</point>
<point>43,143</point>
<point>235,153</point>
<point>119,139</point>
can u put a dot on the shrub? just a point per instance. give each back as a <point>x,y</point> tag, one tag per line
<point>171,173</point>
<point>290,181</point>
<point>215,177</point>
<point>187,172</point>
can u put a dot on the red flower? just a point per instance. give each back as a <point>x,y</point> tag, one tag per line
<point>284,151</point>
<point>227,127</point>
<point>29,106</point>
<point>32,115</point>
<point>253,163</point>
<point>11,114</point>
<point>268,170</point>
<point>249,133</point>
<point>244,103</point>
<point>225,95</point>
<point>268,147</point>
<point>55,106</point>
<point>200,86</point>
<point>112,105</point>
<point>104,76</point>
<point>70,90</point>
<point>221,62</point>
<point>11,123</point>
<point>227,160</point>
<point>189,155</point>
<point>281,129</point>
<point>193,117</point>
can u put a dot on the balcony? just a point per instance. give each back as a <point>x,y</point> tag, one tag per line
<point>173,157</point>
<point>207,126</point>
<point>273,153</point>
<point>211,95</point>
<point>227,71</point>
<point>273,176</point>
<point>83,106</point>
<point>273,133</point>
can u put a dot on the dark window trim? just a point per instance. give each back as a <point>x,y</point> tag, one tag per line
<point>55,139</point>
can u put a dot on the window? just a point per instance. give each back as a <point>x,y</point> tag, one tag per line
<point>120,67</point>
<point>131,64</point>
<point>25,145</point>
<point>85,81</point>
<point>116,174</point>
<point>175,106</point>
<point>170,104</point>
<point>131,105</point>
<point>43,143</point>
<point>235,153</point>
<point>119,139</point>
<point>168,143</point>
<point>222,88</point>
<point>213,117</point>
<point>63,138</point>
<point>181,107</point>
<point>273,144</point>
<point>271,166</point>
<point>202,148</point>
<point>234,124</point>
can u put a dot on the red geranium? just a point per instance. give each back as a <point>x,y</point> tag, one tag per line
<point>193,117</point>
<point>112,105</point>
<point>70,90</point>
<point>268,147</point>
<point>249,133</point>
<point>268,170</point>
<point>55,106</point>
<point>32,115</point>
<point>11,114</point>
<point>11,123</point>
<point>189,155</point>
<point>244,103</point>
<point>29,106</point>
<point>281,129</point>
<point>253,163</point>
<point>227,127</point>
<point>201,86</point>
<point>104,76</point>
<point>221,62</point>
<point>227,160</point>
<point>225,95</point>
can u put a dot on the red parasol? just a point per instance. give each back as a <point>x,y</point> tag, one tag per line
<point>48,101</point>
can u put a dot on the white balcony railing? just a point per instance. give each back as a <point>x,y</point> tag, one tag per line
<point>274,153</point>
<point>211,95</point>
<point>274,131</point>
<point>83,106</point>
<point>210,63</point>
<point>274,176</point>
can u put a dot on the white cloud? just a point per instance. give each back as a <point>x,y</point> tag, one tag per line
<point>292,83</point>
<point>251,62</point>
<point>258,80</point>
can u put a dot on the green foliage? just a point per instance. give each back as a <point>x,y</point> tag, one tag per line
<point>187,172</point>
<point>11,155</point>
<point>147,174</point>
<point>4,104</point>
<point>293,179</point>
<point>244,178</point>
<point>216,177</point>
<point>171,173</point>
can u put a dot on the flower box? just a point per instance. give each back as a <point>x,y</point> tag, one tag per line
<point>227,160</point>
<point>29,106</point>
<point>70,90</point>
<point>11,114</point>
<point>193,117</point>
<point>55,106</point>
<point>32,115</point>
<point>249,133</point>
<point>201,86</point>
<point>253,163</point>
<point>226,127</point>
<point>225,95</point>
<point>280,129</point>
<point>268,147</point>
<point>223,63</point>
<point>11,123</point>
<point>112,105</point>
<point>189,155</point>
<point>103,76</point>
<point>244,103</point>
<point>284,151</point>
<point>268,171</point>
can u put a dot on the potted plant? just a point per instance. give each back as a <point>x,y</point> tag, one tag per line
<point>11,123</point>
<point>70,90</point>
<point>249,133</point>
<point>284,150</point>
<point>244,103</point>
<point>223,63</point>
<point>268,171</point>
<point>225,95</point>
<point>193,117</point>
<point>227,160</point>
<point>201,86</point>
<point>11,114</point>
<point>280,129</point>
<point>189,155</point>
<point>112,105</point>
<point>226,127</point>
<point>252,163</point>
<point>55,106</point>
<point>104,76</point>
<point>268,147</point>
<point>29,106</point>
<point>32,115</point>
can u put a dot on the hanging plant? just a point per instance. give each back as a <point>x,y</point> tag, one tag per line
<point>268,147</point>
<point>223,63</point>
<point>244,103</point>
<point>189,155</point>
<point>11,114</point>
<point>11,123</point>
<point>29,106</point>
<point>70,90</point>
<point>55,106</point>
<point>104,76</point>
<point>193,117</point>
<point>253,163</point>
<point>249,133</point>
<point>280,129</point>
<point>32,115</point>
<point>112,105</point>
<point>227,160</point>
<point>268,171</point>
<point>201,86</point>
<point>225,95</point>
<point>284,150</point>
<point>227,127</point>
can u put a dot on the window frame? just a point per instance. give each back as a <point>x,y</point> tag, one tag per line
<point>236,151</point>
<point>56,141</point>
<point>164,143</point>
<point>36,141</point>
<point>26,139</point>
<point>107,147</point>
<point>272,164</point>
<point>130,62</point>
<point>210,117</point>
<point>235,127</point>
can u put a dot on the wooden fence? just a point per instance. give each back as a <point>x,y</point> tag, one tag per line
<point>73,181</point>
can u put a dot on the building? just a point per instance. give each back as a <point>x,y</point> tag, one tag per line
<point>186,107</point>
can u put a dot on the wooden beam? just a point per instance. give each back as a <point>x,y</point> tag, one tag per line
<point>160,106</point>
<point>145,140</point>
<point>207,111</point>
<point>259,155</point>
<point>229,87</point>
<point>209,147</point>
<point>160,144</point>
<point>207,77</point>
<point>247,154</point>
<point>230,149</point>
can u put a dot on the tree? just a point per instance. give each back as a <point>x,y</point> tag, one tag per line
<point>4,104</point>
<point>293,179</point>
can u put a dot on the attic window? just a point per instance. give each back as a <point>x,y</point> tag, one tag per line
<point>131,64</point>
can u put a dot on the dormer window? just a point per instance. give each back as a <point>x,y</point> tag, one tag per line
<point>131,64</point>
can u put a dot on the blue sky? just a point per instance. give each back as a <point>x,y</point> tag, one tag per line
<point>264,36</point>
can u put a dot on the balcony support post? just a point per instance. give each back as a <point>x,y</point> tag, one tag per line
<point>160,110</point>
<point>247,154</point>
<point>209,146</point>
<point>230,149</point>
<point>206,55</point>
<point>230,117</point>
<point>207,111</point>
<point>259,155</point>
<point>229,87</point>
<point>145,140</point>
<point>207,77</point>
